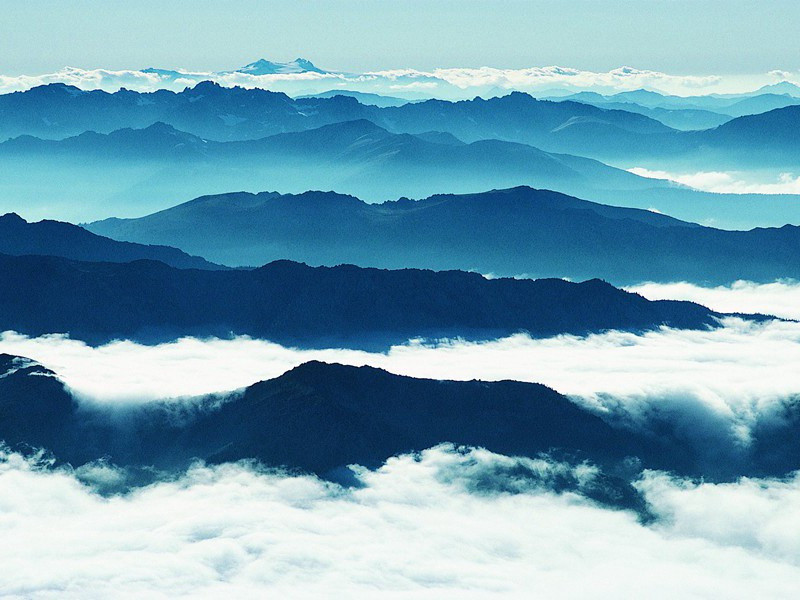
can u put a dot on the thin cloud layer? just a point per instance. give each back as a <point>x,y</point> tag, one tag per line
<point>450,82</point>
<point>417,527</point>
<point>722,182</point>
<point>780,298</point>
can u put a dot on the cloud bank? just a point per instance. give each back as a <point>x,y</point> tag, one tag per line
<point>446,83</point>
<point>780,298</point>
<point>417,527</point>
<point>730,377</point>
<point>722,182</point>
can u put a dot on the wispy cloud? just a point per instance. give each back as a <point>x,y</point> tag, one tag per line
<point>726,182</point>
<point>422,527</point>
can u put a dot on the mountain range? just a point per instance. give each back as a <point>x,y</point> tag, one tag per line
<point>136,171</point>
<point>572,124</point>
<point>358,157</point>
<point>692,112</point>
<point>55,238</point>
<point>517,231</point>
<point>322,417</point>
<point>222,113</point>
<point>292,303</point>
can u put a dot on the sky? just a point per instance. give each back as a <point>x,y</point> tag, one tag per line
<point>675,36</point>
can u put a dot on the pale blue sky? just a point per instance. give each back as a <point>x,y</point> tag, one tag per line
<point>678,36</point>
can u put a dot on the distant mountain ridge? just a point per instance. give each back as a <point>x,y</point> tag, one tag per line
<point>221,113</point>
<point>145,173</point>
<point>505,232</point>
<point>358,155</point>
<point>267,67</point>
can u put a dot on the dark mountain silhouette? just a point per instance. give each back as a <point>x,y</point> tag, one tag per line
<point>54,238</point>
<point>293,303</point>
<point>36,410</point>
<point>505,232</point>
<point>322,417</point>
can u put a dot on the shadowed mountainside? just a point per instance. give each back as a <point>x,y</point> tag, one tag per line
<point>504,232</point>
<point>54,238</point>
<point>293,303</point>
<point>322,417</point>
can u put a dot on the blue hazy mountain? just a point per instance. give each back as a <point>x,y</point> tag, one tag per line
<point>363,97</point>
<point>295,304</point>
<point>322,417</point>
<point>54,238</point>
<point>215,112</point>
<point>782,87</point>
<point>764,99</point>
<point>685,119</point>
<point>355,156</point>
<point>506,232</point>
<point>770,139</point>
<point>137,171</point>
<point>219,113</point>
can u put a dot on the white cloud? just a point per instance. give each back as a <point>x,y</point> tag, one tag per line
<point>417,528</point>
<point>729,377</point>
<point>779,298</point>
<point>450,82</point>
<point>623,78</point>
<point>722,182</point>
<point>762,514</point>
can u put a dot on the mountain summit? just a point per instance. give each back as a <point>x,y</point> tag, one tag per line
<point>267,67</point>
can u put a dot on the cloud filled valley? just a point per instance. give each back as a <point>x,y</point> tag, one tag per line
<point>737,381</point>
<point>443,524</point>
<point>439,324</point>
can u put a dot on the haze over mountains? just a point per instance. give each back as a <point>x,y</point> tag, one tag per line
<point>165,147</point>
<point>519,231</point>
<point>693,112</point>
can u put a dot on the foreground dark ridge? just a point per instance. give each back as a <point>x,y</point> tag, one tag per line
<point>505,232</point>
<point>296,304</point>
<point>55,238</point>
<point>321,417</point>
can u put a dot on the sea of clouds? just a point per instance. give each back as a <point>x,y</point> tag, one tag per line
<point>420,526</point>
<point>445,523</point>
<point>444,82</point>
<point>779,298</point>
<point>716,384</point>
